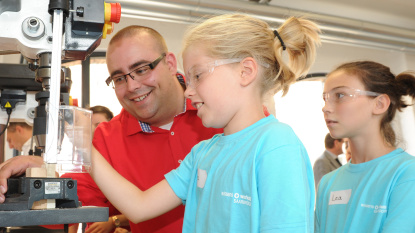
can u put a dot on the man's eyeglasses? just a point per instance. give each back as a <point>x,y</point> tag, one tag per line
<point>138,74</point>
<point>346,94</point>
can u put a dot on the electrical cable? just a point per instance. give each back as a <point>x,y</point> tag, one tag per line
<point>9,112</point>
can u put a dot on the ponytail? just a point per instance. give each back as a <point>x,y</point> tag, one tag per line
<point>300,37</point>
<point>405,85</point>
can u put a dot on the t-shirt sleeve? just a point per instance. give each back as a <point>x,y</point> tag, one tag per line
<point>286,184</point>
<point>401,206</point>
<point>180,178</point>
<point>88,191</point>
<point>98,141</point>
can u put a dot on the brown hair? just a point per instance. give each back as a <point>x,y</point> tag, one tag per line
<point>378,78</point>
<point>240,36</point>
<point>103,110</point>
<point>329,141</point>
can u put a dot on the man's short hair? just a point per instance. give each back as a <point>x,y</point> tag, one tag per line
<point>329,141</point>
<point>136,30</point>
<point>12,126</point>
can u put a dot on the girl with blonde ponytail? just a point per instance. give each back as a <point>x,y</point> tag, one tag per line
<point>256,176</point>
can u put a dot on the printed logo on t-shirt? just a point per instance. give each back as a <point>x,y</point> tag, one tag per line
<point>340,197</point>
<point>377,209</point>
<point>201,178</point>
<point>238,198</point>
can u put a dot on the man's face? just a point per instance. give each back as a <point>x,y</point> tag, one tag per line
<point>96,119</point>
<point>151,99</point>
<point>15,140</point>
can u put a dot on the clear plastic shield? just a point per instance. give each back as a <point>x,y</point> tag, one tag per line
<point>74,140</point>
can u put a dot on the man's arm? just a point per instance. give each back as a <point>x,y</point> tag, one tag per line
<point>15,167</point>
<point>135,204</point>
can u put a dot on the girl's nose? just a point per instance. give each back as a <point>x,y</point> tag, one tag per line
<point>190,91</point>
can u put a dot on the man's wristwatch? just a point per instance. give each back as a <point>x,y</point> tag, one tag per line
<point>116,221</point>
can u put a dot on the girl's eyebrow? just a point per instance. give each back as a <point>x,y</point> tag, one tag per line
<point>194,67</point>
<point>337,88</point>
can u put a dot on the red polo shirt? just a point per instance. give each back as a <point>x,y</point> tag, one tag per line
<point>144,158</point>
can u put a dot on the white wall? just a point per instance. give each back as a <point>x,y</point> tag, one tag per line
<point>330,55</point>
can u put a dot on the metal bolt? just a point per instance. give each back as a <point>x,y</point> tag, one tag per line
<point>33,25</point>
<point>33,28</point>
<point>70,184</point>
<point>37,184</point>
<point>31,113</point>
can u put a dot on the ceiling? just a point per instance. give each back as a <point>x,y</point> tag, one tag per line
<point>371,23</point>
<point>398,13</point>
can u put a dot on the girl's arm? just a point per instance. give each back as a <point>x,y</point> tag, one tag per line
<point>137,205</point>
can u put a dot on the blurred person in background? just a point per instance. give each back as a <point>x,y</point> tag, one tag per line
<point>329,160</point>
<point>100,114</point>
<point>19,135</point>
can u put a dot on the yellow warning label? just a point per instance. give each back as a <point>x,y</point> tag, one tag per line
<point>8,105</point>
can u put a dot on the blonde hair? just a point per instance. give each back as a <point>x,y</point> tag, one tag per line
<point>241,36</point>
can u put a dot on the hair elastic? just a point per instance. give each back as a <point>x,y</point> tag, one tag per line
<point>276,34</point>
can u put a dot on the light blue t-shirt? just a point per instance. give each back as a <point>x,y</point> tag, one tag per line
<point>376,196</point>
<point>256,180</point>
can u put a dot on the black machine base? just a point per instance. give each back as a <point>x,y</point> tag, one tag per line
<point>53,216</point>
<point>24,191</point>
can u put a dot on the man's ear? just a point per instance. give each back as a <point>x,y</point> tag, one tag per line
<point>171,62</point>
<point>382,104</point>
<point>249,71</point>
<point>19,129</point>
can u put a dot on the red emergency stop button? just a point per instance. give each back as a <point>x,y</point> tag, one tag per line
<point>112,12</point>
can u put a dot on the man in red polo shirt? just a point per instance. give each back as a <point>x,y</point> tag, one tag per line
<point>156,128</point>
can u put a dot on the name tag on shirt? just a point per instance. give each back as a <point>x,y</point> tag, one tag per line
<point>201,178</point>
<point>340,197</point>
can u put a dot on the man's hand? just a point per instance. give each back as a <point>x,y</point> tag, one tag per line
<point>101,227</point>
<point>121,230</point>
<point>15,167</point>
